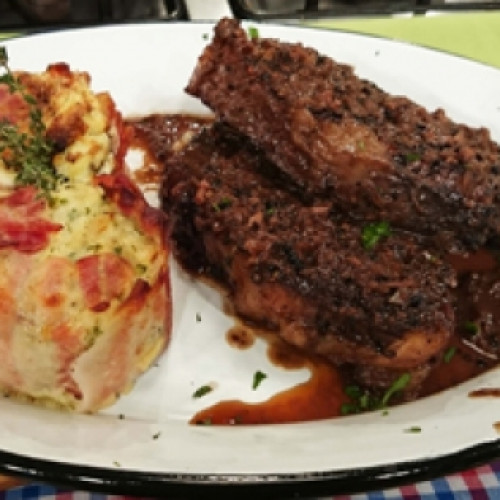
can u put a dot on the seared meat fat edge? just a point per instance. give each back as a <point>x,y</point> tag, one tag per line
<point>339,137</point>
<point>303,270</point>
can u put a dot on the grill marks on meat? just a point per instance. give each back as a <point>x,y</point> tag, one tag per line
<point>302,269</point>
<point>341,138</point>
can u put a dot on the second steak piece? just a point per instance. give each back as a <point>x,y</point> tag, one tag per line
<point>344,139</point>
<point>383,308</point>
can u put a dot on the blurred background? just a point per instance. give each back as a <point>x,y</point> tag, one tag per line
<point>42,13</point>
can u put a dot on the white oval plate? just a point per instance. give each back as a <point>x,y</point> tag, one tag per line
<point>153,450</point>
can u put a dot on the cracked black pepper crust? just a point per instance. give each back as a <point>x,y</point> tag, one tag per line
<point>233,221</point>
<point>340,137</point>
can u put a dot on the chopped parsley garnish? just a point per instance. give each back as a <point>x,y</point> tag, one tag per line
<point>222,204</point>
<point>269,208</point>
<point>157,435</point>
<point>414,429</point>
<point>253,32</point>
<point>412,157</point>
<point>362,400</point>
<point>258,377</point>
<point>471,327</point>
<point>397,386</point>
<point>28,154</point>
<point>198,317</point>
<point>449,353</point>
<point>373,233</point>
<point>202,391</point>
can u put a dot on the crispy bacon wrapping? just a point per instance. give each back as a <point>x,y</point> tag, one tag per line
<point>85,304</point>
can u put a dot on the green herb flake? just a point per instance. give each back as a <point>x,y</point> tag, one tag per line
<point>398,385</point>
<point>253,32</point>
<point>414,429</point>
<point>353,391</point>
<point>269,208</point>
<point>202,391</point>
<point>222,204</point>
<point>157,435</point>
<point>198,317</point>
<point>373,233</point>
<point>449,353</point>
<point>412,157</point>
<point>349,409</point>
<point>29,155</point>
<point>205,36</point>
<point>361,400</point>
<point>116,463</point>
<point>258,377</point>
<point>471,327</point>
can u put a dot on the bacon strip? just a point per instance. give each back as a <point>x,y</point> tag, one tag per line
<point>104,277</point>
<point>21,223</point>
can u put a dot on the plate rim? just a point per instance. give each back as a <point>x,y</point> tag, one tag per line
<point>330,482</point>
<point>338,481</point>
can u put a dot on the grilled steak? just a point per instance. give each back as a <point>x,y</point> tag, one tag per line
<point>304,270</point>
<point>341,138</point>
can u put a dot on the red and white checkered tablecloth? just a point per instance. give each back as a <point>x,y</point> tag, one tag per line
<point>481,483</point>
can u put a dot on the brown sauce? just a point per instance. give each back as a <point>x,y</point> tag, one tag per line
<point>320,397</point>
<point>472,351</point>
<point>240,337</point>
<point>485,393</point>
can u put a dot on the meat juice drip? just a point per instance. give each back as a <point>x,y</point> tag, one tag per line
<point>240,337</point>
<point>485,393</point>
<point>322,395</point>
<point>319,397</point>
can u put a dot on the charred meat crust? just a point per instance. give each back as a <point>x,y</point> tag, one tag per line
<point>302,269</point>
<point>342,138</point>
